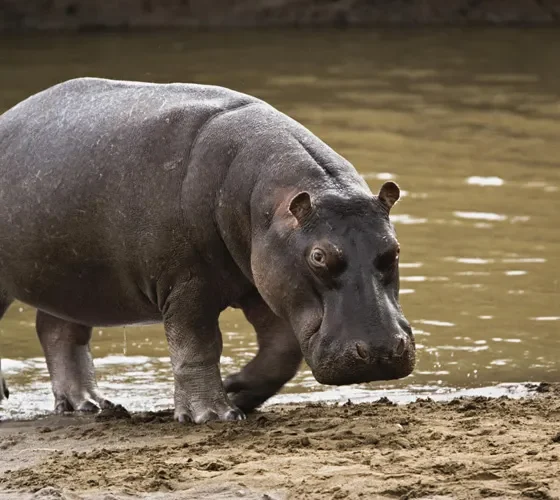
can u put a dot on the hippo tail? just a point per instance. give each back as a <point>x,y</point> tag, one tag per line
<point>5,302</point>
<point>4,392</point>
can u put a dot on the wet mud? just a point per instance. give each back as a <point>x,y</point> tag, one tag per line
<point>462,449</point>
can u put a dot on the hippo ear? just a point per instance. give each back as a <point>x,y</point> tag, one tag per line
<point>300,206</point>
<point>389,194</point>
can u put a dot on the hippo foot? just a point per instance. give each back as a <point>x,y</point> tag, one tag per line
<point>200,396</point>
<point>247,395</point>
<point>66,404</point>
<point>202,415</point>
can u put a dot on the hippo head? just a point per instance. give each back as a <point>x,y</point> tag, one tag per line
<point>330,266</point>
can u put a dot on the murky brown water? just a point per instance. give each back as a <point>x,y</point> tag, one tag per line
<point>468,123</point>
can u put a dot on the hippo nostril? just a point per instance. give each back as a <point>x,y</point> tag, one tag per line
<point>361,349</point>
<point>401,346</point>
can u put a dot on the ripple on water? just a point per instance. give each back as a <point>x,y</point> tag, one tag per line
<point>480,216</point>
<point>549,188</point>
<point>468,348</point>
<point>501,362</point>
<point>505,260</point>
<point>408,219</point>
<point>524,260</point>
<point>404,265</point>
<point>380,176</point>
<point>485,181</point>
<point>470,260</point>
<point>424,278</point>
<point>434,322</point>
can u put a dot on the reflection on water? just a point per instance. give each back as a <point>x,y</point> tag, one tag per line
<point>467,121</point>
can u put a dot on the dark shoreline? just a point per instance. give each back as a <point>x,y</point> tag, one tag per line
<point>123,15</point>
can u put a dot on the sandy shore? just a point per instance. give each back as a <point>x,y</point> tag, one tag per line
<point>463,449</point>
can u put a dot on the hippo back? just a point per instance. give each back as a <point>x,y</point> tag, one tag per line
<point>90,175</point>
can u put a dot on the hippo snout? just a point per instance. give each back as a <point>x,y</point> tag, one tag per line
<point>398,346</point>
<point>368,355</point>
<point>362,360</point>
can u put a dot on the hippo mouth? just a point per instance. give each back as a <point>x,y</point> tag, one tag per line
<point>309,334</point>
<point>312,335</point>
<point>336,362</point>
<point>344,371</point>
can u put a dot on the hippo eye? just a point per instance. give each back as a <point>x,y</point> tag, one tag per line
<point>318,257</point>
<point>389,260</point>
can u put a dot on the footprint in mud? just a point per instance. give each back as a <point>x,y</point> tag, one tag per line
<point>10,442</point>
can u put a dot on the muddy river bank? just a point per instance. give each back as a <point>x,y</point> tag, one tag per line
<point>469,447</point>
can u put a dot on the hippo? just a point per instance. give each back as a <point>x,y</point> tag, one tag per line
<point>129,202</point>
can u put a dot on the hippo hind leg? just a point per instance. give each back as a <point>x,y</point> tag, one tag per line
<point>276,362</point>
<point>66,348</point>
<point>5,302</point>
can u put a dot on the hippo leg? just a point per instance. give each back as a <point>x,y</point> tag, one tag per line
<point>5,302</point>
<point>195,347</point>
<point>66,348</point>
<point>275,364</point>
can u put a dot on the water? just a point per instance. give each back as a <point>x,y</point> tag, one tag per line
<point>466,121</point>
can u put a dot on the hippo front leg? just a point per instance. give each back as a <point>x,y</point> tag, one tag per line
<point>66,348</point>
<point>195,347</point>
<point>276,362</point>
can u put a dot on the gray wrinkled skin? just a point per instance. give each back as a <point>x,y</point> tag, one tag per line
<point>129,203</point>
